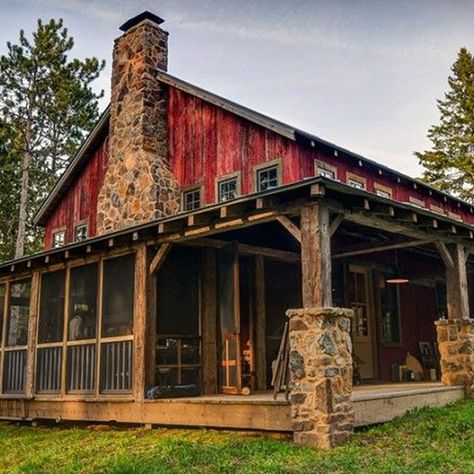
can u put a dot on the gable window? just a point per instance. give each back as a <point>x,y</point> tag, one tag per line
<point>192,199</point>
<point>228,189</point>
<point>325,170</point>
<point>80,232</point>
<point>59,238</point>
<point>355,181</point>
<point>267,178</point>
<point>382,191</point>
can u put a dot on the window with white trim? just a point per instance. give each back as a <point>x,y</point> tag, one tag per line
<point>59,238</point>
<point>355,183</point>
<point>325,170</point>
<point>382,193</point>
<point>80,232</point>
<point>267,178</point>
<point>228,189</point>
<point>192,199</point>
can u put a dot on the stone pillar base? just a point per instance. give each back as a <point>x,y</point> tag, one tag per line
<point>321,376</point>
<point>456,347</point>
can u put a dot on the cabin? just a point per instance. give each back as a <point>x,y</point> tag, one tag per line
<point>206,265</point>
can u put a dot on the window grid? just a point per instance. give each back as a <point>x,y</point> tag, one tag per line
<point>192,199</point>
<point>59,238</point>
<point>81,232</point>
<point>228,189</point>
<point>267,178</point>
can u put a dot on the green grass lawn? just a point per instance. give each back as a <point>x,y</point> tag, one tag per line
<point>427,441</point>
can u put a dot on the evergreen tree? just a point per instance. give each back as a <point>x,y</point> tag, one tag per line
<point>47,105</point>
<point>449,164</point>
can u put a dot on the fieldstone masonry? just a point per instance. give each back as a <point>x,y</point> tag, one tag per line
<point>138,185</point>
<point>321,376</point>
<point>456,347</point>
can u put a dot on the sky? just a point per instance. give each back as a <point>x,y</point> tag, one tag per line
<point>362,74</point>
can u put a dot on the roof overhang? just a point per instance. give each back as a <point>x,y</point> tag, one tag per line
<point>355,205</point>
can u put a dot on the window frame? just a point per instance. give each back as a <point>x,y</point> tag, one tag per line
<point>189,190</point>
<point>83,223</point>
<point>56,231</point>
<point>321,165</point>
<point>225,178</point>
<point>356,178</point>
<point>263,167</point>
<point>378,188</point>
<point>381,274</point>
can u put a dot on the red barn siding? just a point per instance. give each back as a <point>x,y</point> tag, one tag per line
<point>80,200</point>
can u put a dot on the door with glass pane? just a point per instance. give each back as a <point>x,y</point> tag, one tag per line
<point>360,301</point>
<point>230,380</point>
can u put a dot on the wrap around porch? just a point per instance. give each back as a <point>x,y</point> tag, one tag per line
<point>180,322</point>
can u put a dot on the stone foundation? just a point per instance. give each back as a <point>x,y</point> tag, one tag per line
<point>456,347</point>
<point>139,185</point>
<point>321,376</point>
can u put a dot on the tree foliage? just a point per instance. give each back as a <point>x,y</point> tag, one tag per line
<point>449,165</point>
<point>47,105</point>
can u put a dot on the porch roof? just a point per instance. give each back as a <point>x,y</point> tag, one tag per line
<point>355,205</point>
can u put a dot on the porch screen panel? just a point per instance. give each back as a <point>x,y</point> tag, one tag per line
<point>117,313</point>
<point>82,320</point>
<point>15,354</point>
<point>18,313</point>
<point>116,346</point>
<point>50,332</point>
<point>178,349</point>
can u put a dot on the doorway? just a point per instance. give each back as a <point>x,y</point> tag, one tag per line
<point>360,299</point>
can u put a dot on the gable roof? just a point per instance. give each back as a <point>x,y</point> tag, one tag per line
<point>265,121</point>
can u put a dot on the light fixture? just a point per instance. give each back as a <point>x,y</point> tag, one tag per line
<point>398,278</point>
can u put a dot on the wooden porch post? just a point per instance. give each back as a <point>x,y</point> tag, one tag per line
<point>140,321</point>
<point>316,256</point>
<point>456,334</point>
<point>32,330</point>
<point>209,322</point>
<point>260,324</point>
<point>456,283</point>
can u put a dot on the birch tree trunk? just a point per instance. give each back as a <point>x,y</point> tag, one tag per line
<point>22,215</point>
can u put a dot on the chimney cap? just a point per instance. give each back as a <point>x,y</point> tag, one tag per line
<point>146,15</point>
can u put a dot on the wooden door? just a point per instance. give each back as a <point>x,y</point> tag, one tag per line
<point>230,370</point>
<point>363,331</point>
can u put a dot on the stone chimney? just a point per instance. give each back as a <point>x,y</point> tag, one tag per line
<point>139,185</point>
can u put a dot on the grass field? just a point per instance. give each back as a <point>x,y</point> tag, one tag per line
<point>426,441</point>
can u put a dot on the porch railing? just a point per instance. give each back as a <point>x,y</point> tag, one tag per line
<point>14,371</point>
<point>81,368</point>
<point>116,372</point>
<point>48,369</point>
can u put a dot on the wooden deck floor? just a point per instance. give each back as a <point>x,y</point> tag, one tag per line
<point>258,411</point>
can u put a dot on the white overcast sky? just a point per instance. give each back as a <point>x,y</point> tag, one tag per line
<point>363,74</point>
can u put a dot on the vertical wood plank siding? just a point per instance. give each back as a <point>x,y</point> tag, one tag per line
<point>207,142</point>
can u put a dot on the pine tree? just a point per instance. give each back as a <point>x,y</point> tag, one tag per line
<point>449,165</point>
<point>48,105</point>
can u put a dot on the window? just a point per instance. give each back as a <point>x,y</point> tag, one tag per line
<point>117,313</point>
<point>51,312</point>
<point>228,189</point>
<point>80,232</point>
<point>192,199</point>
<point>83,302</point>
<point>390,319</point>
<point>355,181</point>
<point>59,238</point>
<point>267,178</point>
<point>416,202</point>
<point>382,191</point>
<point>325,170</point>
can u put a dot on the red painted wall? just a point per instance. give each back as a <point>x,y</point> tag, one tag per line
<point>207,143</point>
<point>80,201</point>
